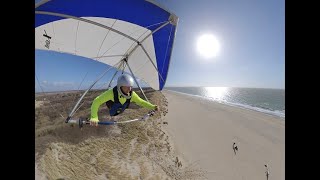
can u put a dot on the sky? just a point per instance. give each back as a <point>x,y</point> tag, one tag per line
<point>251,35</point>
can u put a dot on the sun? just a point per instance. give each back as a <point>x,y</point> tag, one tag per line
<point>208,46</point>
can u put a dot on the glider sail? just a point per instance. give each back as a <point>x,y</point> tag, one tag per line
<point>109,31</point>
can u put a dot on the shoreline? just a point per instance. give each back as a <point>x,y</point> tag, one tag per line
<point>238,105</point>
<point>202,133</point>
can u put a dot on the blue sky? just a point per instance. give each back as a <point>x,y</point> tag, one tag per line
<point>251,34</point>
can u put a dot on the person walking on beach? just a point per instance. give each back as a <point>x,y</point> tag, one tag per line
<point>235,148</point>
<point>267,171</point>
<point>118,99</point>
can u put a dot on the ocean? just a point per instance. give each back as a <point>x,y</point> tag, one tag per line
<point>269,101</point>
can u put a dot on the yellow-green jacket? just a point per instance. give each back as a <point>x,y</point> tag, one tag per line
<point>109,96</point>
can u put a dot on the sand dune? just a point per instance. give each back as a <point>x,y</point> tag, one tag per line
<point>139,150</point>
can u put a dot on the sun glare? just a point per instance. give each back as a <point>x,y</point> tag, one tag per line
<point>208,46</point>
<point>217,93</point>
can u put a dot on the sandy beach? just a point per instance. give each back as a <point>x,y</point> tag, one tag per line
<point>203,133</point>
<point>189,138</point>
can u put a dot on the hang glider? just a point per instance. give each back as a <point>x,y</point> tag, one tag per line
<point>134,36</point>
